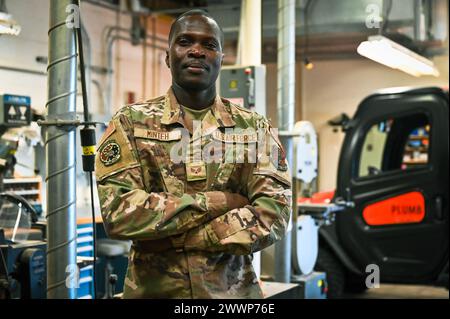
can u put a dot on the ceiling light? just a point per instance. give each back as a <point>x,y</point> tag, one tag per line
<point>396,56</point>
<point>8,25</point>
<point>308,64</point>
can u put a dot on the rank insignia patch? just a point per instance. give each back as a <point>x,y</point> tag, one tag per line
<point>110,153</point>
<point>195,171</point>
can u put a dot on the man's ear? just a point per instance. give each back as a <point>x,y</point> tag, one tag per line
<point>221,62</point>
<point>167,59</point>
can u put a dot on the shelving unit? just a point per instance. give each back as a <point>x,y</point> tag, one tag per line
<point>85,248</point>
<point>417,154</point>
<point>28,187</point>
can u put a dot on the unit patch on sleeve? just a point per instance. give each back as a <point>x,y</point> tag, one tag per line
<point>110,153</point>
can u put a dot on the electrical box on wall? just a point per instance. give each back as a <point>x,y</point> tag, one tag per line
<point>245,86</point>
<point>15,110</point>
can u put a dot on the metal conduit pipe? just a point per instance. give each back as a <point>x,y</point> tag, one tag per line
<point>109,41</point>
<point>109,66</point>
<point>101,94</point>
<point>103,4</point>
<point>60,145</point>
<point>286,114</point>
<point>21,70</point>
<point>144,61</point>
<point>110,29</point>
<point>155,64</point>
<point>180,10</point>
<point>118,9</point>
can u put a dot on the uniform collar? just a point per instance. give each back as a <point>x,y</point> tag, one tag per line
<point>173,112</point>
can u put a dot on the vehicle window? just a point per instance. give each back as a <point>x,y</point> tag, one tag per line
<point>395,144</point>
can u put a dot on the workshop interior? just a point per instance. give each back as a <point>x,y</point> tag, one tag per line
<point>358,90</point>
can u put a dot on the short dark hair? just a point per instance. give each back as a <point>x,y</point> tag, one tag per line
<point>195,12</point>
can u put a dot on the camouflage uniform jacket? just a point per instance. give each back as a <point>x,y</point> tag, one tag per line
<point>187,243</point>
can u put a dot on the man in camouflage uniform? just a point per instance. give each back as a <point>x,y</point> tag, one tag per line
<point>194,222</point>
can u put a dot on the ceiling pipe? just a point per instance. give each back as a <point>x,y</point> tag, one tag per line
<point>163,11</point>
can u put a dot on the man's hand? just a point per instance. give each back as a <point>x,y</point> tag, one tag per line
<point>235,200</point>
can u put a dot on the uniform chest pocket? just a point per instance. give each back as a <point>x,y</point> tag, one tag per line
<point>238,150</point>
<point>161,172</point>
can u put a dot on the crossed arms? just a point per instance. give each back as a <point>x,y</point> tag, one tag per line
<point>208,221</point>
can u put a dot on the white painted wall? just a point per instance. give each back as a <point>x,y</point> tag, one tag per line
<point>335,87</point>
<point>338,86</point>
<point>21,52</point>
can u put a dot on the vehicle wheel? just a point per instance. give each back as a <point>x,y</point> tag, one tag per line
<point>328,263</point>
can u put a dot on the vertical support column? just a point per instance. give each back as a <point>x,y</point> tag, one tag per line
<point>60,155</point>
<point>286,114</point>
<point>144,60</point>
<point>419,21</point>
<point>250,54</point>
<point>250,33</point>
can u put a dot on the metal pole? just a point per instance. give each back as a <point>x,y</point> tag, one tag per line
<point>60,155</point>
<point>419,21</point>
<point>286,114</point>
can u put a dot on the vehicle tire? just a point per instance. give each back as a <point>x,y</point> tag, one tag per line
<point>335,274</point>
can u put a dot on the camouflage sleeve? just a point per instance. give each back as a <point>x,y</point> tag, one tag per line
<point>128,210</point>
<point>256,226</point>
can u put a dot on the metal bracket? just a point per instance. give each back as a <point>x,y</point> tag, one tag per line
<point>323,214</point>
<point>288,134</point>
<point>75,123</point>
<point>345,202</point>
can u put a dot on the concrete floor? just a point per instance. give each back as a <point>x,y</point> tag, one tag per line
<point>402,292</point>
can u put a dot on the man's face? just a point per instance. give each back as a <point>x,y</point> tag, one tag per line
<point>195,53</point>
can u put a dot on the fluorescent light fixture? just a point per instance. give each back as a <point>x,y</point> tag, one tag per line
<point>8,25</point>
<point>396,56</point>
